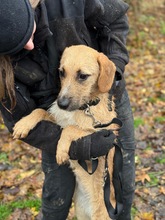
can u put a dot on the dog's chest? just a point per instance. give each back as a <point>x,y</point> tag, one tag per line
<point>81,118</point>
<point>65,118</point>
<point>62,117</point>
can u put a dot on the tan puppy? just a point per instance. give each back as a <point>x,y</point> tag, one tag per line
<point>85,75</point>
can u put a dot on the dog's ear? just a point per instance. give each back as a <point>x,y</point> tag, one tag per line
<point>107,73</point>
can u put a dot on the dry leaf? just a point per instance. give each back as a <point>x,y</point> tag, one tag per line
<point>141,175</point>
<point>146,216</point>
<point>34,212</point>
<point>27,174</point>
<point>162,190</point>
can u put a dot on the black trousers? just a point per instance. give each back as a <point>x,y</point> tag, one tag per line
<point>59,181</point>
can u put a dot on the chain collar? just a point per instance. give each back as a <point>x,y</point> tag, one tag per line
<point>90,103</point>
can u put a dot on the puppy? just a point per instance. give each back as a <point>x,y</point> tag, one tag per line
<point>86,76</point>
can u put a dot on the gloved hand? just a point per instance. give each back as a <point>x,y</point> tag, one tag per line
<point>91,146</point>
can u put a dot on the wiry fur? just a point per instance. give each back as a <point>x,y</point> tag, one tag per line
<point>77,60</point>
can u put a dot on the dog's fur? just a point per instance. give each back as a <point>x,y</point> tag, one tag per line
<point>85,75</point>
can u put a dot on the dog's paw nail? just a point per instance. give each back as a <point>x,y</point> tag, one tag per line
<point>62,158</point>
<point>59,161</point>
<point>15,136</point>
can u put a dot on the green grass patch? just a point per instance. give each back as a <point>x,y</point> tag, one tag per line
<point>134,212</point>
<point>152,100</point>
<point>148,148</point>
<point>27,204</point>
<point>5,211</point>
<point>154,179</point>
<point>155,99</point>
<point>162,27</point>
<point>138,122</point>
<point>8,208</point>
<point>145,19</point>
<point>159,119</point>
<point>3,157</point>
<point>161,159</point>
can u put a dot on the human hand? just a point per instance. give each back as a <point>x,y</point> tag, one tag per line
<point>101,142</point>
<point>93,145</point>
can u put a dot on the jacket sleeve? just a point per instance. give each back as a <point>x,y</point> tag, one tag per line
<point>109,18</point>
<point>45,135</point>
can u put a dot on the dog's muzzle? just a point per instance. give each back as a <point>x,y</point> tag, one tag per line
<point>63,102</point>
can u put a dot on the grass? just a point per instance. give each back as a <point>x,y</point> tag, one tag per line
<point>159,119</point>
<point>3,157</point>
<point>134,212</point>
<point>162,27</point>
<point>138,122</point>
<point>7,209</point>
<point>160,160</point>
<point>154,180</point>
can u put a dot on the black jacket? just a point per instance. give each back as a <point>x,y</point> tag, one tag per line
<point>101,24</point>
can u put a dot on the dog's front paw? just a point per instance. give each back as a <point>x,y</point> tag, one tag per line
<point>61,157</point>
<point>21,129</point>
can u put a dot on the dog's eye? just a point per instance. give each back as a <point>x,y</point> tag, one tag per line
<point>61,73</point>
<point>82,76</point>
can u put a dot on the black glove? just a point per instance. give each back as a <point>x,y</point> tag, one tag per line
<point>91,146</point>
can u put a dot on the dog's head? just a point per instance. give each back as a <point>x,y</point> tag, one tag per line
<point>84,73</point>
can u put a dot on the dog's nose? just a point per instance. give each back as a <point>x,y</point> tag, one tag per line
<point>63,102</point>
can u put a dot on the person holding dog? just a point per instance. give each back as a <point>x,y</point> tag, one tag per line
<point>32,38</point>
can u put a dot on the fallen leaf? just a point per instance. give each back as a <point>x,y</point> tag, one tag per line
<point>146,191</point>
<point>162,190</point>
<point>34,212</point>
<point>141,175</point>
<point>146,216</point>
<point>27,174</point>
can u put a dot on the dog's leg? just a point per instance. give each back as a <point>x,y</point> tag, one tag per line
<point>69,134</point>
<point>81,215</point>
<point>101,214</point>
<point>81,200</point>
<point>110,168</point>
<point>27,123</point>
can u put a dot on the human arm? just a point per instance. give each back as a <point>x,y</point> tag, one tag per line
<point>45,135</point>
<point>92,146</point>
<point>109,20</point>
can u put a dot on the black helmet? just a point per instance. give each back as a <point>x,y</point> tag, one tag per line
<point>16,25</point>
